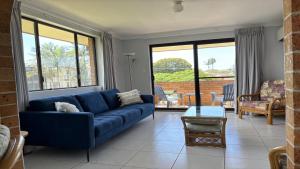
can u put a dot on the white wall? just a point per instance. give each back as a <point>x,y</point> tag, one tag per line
<point>274,56</point>
<point>141,74</point>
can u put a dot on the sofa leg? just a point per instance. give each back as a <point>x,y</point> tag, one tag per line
<point>153,115</point>
<point>88,155</point>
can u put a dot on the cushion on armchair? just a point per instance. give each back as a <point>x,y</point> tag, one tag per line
<point>272,89</point>
<point>263,105</point>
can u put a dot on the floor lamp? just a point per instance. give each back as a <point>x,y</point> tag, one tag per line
<point>131,60</point>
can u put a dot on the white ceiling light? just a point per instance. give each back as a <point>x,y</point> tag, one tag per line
<point>178,7</point>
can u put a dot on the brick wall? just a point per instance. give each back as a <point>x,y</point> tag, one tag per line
<point>206,87</point>
<point>292,80</point>
<point>8,103</point>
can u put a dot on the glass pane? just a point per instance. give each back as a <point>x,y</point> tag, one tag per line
<point>217,70</point>
<point>173,68</point>
<point>58,57</point>
<point>30,57</point>
<point>86,60</point>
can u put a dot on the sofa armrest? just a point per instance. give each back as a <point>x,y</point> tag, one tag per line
<point>147,98</point>
<point>58,129</point>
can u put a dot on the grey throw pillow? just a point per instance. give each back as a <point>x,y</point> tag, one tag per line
<point>4,139</point>
<point>130,97</point>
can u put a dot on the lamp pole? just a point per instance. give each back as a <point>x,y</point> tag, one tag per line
<point>130,60</point>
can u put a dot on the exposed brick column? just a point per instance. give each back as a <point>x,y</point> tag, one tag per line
<point>292,79</point>
<point>8,102</point>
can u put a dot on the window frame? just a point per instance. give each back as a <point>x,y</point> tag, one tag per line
<point>38,54</point>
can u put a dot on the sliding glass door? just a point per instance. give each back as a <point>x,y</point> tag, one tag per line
<point>193,73</point>
<point>173,73</point>
<point>216,63</point>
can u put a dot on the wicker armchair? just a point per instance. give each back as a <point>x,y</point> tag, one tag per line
<point>269,101</point>
<point>277,158</point>
<point>13,153</point>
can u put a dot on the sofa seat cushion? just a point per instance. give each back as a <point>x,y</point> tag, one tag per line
<point>48,104</point>
<point>128,115</point>
<point>93,102</point>
<point>146,108</point>
<point>111,98</point>
<point>104,124</point>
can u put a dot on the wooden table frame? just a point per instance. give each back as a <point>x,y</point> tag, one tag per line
<point>191,136</point>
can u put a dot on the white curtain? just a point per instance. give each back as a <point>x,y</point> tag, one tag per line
<point>17,49</point>
<point>109,70</point>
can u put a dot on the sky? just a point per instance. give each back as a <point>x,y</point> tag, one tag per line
<point>225,56</point>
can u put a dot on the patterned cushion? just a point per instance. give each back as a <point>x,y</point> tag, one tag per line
<point>255,104</point>
<point>272,89</point>
<point>263,105</point>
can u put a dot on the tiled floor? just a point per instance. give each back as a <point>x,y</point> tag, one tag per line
<point>159,144</point>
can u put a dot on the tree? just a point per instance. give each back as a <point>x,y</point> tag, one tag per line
<point>210,61</point>
<point>58,63</point>
<point>171,65</point>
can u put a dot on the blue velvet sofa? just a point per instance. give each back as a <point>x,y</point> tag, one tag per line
<point>100,118</point>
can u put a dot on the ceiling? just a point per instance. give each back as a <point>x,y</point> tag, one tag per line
<point>127,18</point>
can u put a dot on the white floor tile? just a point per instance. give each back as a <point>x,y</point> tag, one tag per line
<point>272,142</point>
<point>238,163</point>
<point>163,147</point>
<point>112,156</point>
<point>246,151</point>
<point>152,160</point>
<point>97,166</point>
<point>205,151</point>
<point>244,140</point>
<point>192,161</point>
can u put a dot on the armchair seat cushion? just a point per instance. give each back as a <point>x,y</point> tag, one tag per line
<point>262,105</point>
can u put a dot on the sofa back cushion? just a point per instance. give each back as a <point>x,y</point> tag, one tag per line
<point>272,89</point>
<point>48,104</point>
<point>92,102</point>
<point>111,98</point>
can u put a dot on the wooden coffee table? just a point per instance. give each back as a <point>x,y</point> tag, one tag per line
<point>205,126</point>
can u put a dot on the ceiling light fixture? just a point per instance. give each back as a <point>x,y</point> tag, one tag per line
<point>178,7</point>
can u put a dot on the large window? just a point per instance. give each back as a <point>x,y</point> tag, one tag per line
<point>57,58</point>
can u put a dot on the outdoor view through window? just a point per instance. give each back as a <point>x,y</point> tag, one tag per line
<point>61,64</point>
<point>174,81</point>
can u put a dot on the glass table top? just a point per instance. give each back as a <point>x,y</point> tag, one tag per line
<point>205,112</point>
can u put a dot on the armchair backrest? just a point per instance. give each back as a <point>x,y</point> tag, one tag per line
<point>158,91</point>
<point>272,89</point>
<point>228,92</point>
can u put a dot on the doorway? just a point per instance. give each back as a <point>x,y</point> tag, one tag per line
<point>192,73</point>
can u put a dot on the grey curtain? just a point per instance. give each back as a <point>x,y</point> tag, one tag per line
<point>249,55</point>
<point>17,49</point>
<point>108,58</point>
